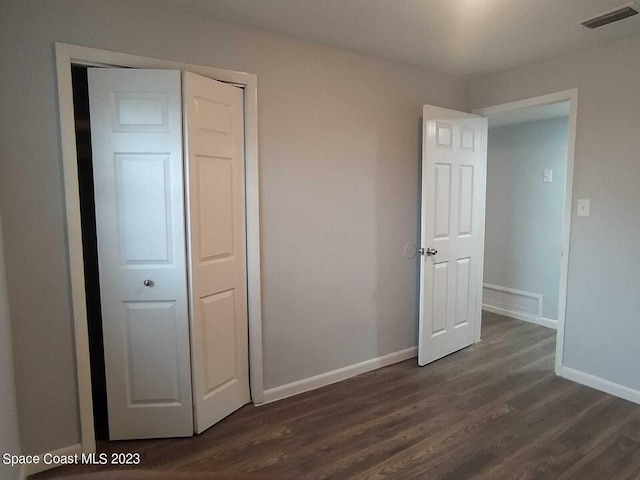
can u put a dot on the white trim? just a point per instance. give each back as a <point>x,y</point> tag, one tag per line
<point>66,55</point>
<point>572,97</point>
<point>601,384</point>
<point>527,102</point>
<point>324,379</point>
<point>74,244</point>
<point>522,293</point>
<point>482,229</point>
<point>542,321</point>
<point>33,468</point>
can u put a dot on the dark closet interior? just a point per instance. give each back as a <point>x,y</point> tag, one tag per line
<point>90,249</point>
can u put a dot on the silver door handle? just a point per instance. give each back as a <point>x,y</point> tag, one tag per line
<point>148,283</point>
<point>428,251</point>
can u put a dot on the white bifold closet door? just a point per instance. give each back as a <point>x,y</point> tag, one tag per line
<point>149,251</point>
<point>453,208</point>
<point>214,137</point>
<point>136,135</point>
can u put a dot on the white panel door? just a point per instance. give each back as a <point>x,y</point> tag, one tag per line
<point>454,160</point>
<point>217,247</point>
<point>136,134</point>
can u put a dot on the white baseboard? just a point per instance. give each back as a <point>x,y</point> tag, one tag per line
<point>545,322</point>
<point>601,384</point>
<point>512,299</point>
<point>311,383</point>
<point>34,468</point>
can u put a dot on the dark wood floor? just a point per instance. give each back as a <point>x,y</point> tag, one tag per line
<point>493,411</point>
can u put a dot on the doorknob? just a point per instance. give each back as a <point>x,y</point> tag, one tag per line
<point>428,251</point>
<point>148,283</point>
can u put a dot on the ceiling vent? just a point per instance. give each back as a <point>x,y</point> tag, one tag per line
<point>613,16</point>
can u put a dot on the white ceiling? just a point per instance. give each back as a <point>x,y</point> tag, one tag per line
<point>466,37</point>
<point>530,114</point>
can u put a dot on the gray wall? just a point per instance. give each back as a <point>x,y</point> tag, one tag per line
<point>523,236</point>
<point>603,305</point>
<point>9,436</point>
<point>339,155</point>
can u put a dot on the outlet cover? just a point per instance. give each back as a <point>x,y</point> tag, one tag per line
<point>584,207</point>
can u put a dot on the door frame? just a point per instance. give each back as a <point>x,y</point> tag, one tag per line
<point>572,97</point>
<point>67,55</point>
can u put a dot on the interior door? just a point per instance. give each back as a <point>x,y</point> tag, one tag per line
<point>454,159</point>
<point>136,133</point>
<point>214,133</point>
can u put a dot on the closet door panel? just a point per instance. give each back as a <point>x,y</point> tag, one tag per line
<point>136,132</point>
<point>217,247</point>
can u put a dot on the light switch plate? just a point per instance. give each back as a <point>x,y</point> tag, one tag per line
<point>584,207</point>
<point>548,176</point>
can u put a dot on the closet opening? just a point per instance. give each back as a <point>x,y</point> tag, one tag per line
<point>164,115</point>
<point>161,190</point>
<point>90,250</point>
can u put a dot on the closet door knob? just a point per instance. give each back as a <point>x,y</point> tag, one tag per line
<point>148,283</point>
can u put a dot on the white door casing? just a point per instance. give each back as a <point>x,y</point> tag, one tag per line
<point>453,203</point>
<point>214,150</point>
<point>136,135</point>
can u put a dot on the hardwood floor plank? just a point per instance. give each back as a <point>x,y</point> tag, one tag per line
<point>539,426</point>
<point>549,459</point>
<point>493,438</point>
<point>616,457</point>
<point>634,476</point>
<point>493,411</point>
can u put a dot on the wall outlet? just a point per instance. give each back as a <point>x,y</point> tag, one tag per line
<point>584,207</point>
<point>548,176</point>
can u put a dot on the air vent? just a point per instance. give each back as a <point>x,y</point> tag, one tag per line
<point>612,16</point>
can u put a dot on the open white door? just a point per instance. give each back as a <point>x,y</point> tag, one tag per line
<point>137,168</point>
<point>454,159</point>
<point>214,133</point>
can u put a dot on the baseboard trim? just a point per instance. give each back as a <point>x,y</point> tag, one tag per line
<point>34,468</point>
<point>601,384</point>
<point>545,322</point>
<point>324,379</point>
